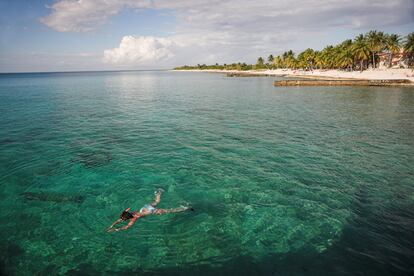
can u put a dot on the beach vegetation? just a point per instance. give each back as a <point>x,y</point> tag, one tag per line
<point>361,51</point>
<point>270,59</point>
<point>376,42</point>
<point>392,45</point>
<point>409,48</point>
<point>260,63</point>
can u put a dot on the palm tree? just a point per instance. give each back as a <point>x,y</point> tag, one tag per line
<point>409,47</point>
<point>319,60</point>
<point>289,59</point>
<point>278,62</point>
<point>260,63</point>
<point>346,59</point>
<point>337,53</point>
<point>346,43</point>
<point>270,59</point>
<point>345,56</point>
<point>361,50</point>
<point>392,43</point>
<point>301,61</point>
<point>328,56</point>
<point>285,55</point>
<point>375,41</point>
<point>309,58</point>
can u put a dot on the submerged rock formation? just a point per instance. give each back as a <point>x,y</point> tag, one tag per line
<point>53,197</point>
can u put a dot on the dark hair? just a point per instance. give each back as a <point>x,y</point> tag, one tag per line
<point>126,215</point>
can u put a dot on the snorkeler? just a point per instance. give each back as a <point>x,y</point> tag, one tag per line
<point>148,209</point>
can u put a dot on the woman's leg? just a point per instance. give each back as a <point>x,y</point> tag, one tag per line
<point>173,210</point>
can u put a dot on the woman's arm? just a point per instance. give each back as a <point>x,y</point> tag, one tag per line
<point>133,220</point>
<point>113,224</point>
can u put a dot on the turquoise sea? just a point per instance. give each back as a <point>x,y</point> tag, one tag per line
<point>284,181</point>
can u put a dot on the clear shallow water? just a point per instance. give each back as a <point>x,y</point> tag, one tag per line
<point>298,181</point>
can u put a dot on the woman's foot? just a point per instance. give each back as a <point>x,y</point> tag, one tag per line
<point>185,208</point>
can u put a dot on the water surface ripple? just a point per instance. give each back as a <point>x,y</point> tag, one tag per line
<point>289,181</point>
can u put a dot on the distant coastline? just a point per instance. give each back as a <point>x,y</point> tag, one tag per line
<point>376,74</point>
<point>372,56</point>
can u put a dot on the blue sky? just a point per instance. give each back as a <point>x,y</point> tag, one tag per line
<point>71,35</point>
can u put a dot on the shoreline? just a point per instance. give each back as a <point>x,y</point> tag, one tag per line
<point>377,74</point>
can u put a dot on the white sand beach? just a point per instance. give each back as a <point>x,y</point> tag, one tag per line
<point>377,74</point>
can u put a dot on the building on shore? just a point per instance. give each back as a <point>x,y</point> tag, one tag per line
<point>399,60</point>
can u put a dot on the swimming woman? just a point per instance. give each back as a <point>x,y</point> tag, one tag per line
<point>148,209</point>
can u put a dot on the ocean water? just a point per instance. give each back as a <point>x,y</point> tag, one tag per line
<point>284,181</point>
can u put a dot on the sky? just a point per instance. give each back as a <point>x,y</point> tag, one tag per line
<point>84,35</point>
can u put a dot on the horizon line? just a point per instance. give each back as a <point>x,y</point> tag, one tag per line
<point>83,71</point>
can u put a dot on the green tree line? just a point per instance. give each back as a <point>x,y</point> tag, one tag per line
<point>359,53</point>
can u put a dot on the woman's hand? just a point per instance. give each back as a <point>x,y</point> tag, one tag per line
<point>109,230</point>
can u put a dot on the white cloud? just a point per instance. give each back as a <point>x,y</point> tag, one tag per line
<point>243,16</point>
<point>139,50</point>
<point>81,15</point>
<point>229,30</point>
<point>86,15</point>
